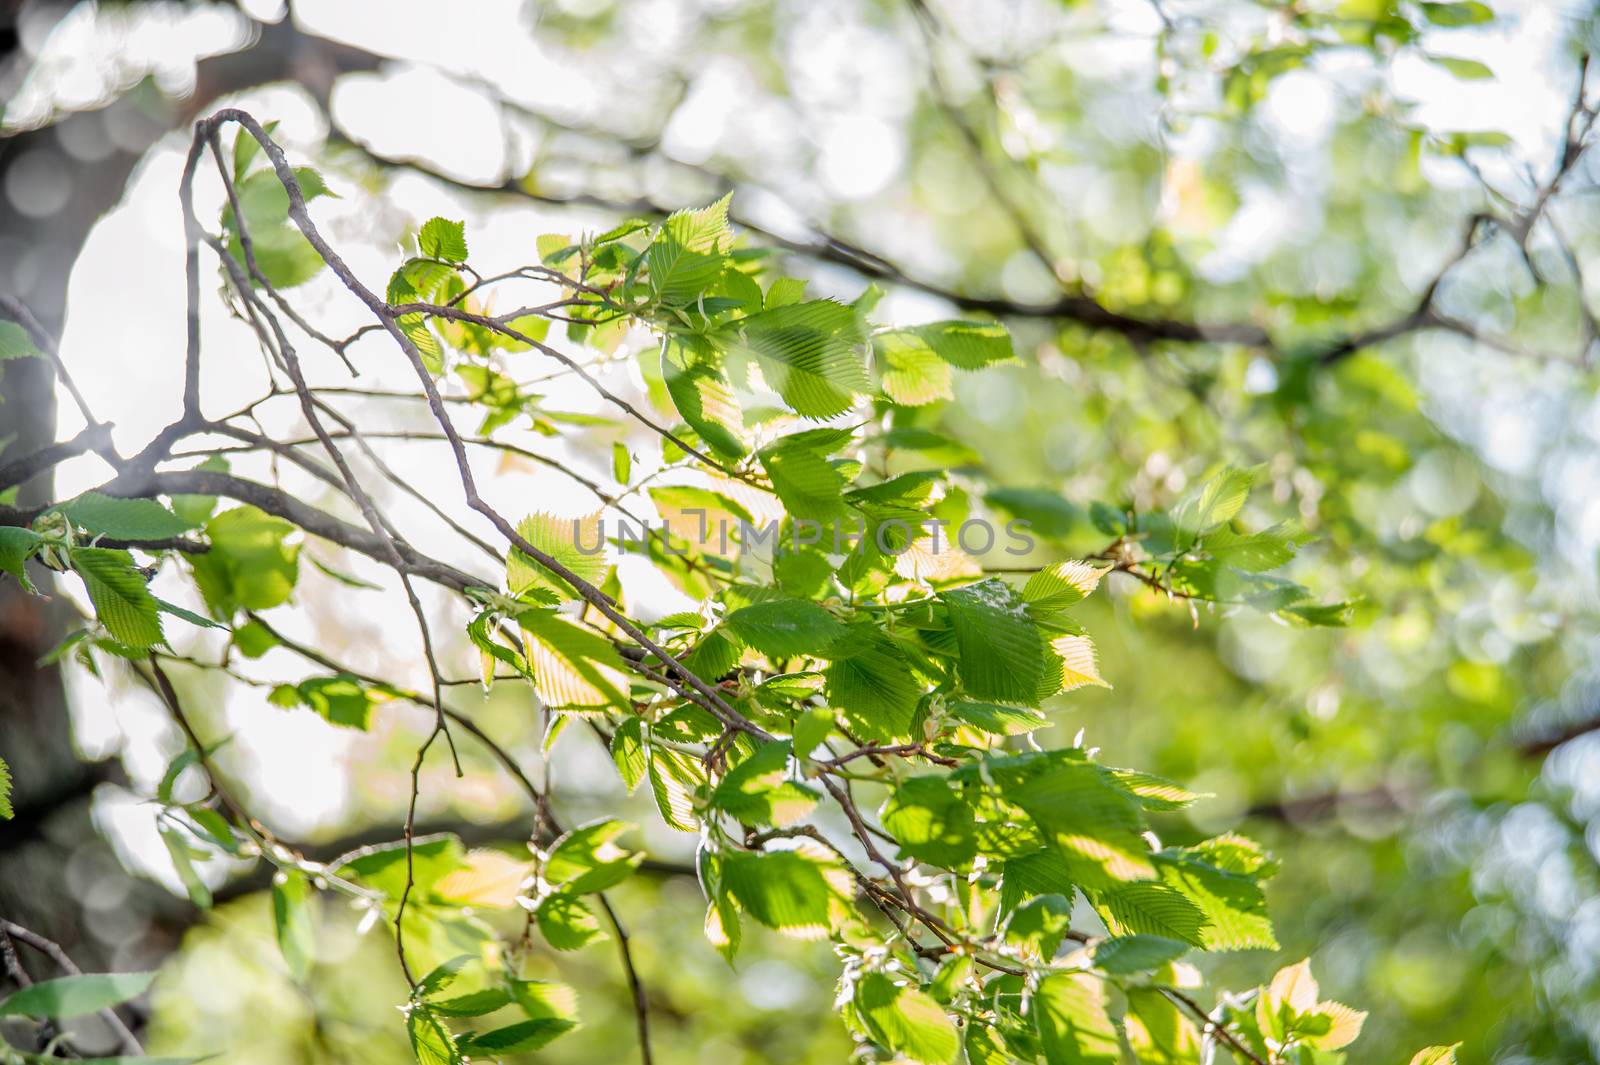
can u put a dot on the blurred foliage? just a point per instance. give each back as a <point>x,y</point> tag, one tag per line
<point>1260,165</point>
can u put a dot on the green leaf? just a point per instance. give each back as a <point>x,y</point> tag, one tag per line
<point>431,1041</point>
<point>441,238</point>
<point>121,600</point>
<point>758,790</point>
<point>572,667</point>
<point>686,257</point>
<point>6,810</point>
<point>75,996</point>
<point>254,639</point>
<point>1044,510</point>
<point>934,447</point>
<point>1002,650</point>
<point>1125,955</point>
<point>784,628</point>
<point>1465,69</point>
<point>674,779</point>
<point>905,1019</point>
<point>811,487</point>
<point>1000,720</point>
<point>1213,504</point>
<point>963,344</point>
<point>341,699</point>
<point>1438,1055</point>
<point>1251,552</point>
<point>1061,585</point>
<point>701,392</point>
<point>1155,793</point>
<point>587,859</point>
<point>573,542</point>
<point>183,855</point>
<point>812,726</point>
<point>544,998</point>
<point>1233,904</point>
<point>443,975</point>
<point>124,519</point>
<point>931,822</point>
<point>807,353</point>
<point>1040,924</point>
<point>876,690</point>
<point>627,751</point>
<point>251,564</point>
<point>1467,13</point>
<point>15,343</point>
<point>383,867</point>
<point>473,1003</point>
<point>17,545</point>
<point>566,922</point>
<point>293,923</point>
<point>801,892</point>
<point>912,374</point>
<point>1069,1011</point>
<point>521,1038</point>
<point>1148,908</point>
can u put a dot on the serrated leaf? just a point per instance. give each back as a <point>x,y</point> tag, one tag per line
<point>1233,905</point>
<point>1155,793</point>
<point>384,867</point>
<point>800,892</point>
<point>807,353</point>
<point>1003,654</point>
<point>1071,664</point>
<point>587,859</point>
<point>1214,503</point>
<point>431,1041</point>
<point>759,790</point>
<point>784,628</point>
<point>121,600</point>
<point>566,922</point>
<point>572,667</point>
<point>1149,908</point>
<point>810,487</point>
<point>905,1019</point>
<point>913,375</point>
<point>1040,924</point>
<point>931,822</point>
<point>1436,1055</point>
<point>1069,1012</point>
<point>441,238</point>
<point>673,780</point>
<point>6,810</point>
<point>1061,585</point>
<point>702,393</point>
<point>124,519</point>
<point>523,1037</point>
<point>576,543</point>
<point>1000,720</point>
<point>876,691</point>
<point>473,1003</point>
<point>1124,955</point>
<point>627,751</point>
